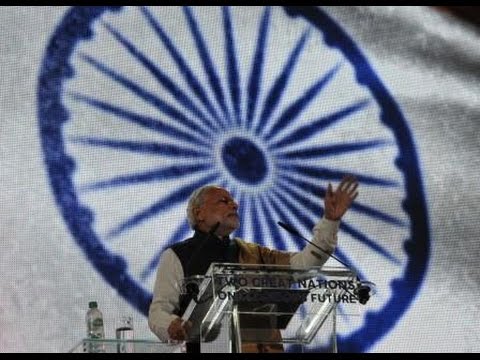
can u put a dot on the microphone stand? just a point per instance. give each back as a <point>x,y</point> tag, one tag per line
<point>362,293</point>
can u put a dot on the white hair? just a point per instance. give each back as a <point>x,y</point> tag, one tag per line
<point>196,200</point>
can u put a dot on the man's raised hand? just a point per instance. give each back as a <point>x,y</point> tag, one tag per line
<point>338,202</point>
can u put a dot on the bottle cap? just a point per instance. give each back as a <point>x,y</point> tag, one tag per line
<point>92,304</point>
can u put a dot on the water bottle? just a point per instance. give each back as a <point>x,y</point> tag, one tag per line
<point>95,329</point>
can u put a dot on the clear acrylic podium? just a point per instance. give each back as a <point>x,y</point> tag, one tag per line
<point>268,308</point>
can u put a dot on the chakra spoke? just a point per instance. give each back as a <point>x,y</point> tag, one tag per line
<point>305,132</point>
<point>258,226</point>
<point>319,191</point>
<point>206,60</point>
<point>257,67</point>
<point>272,225</point>
<point>163,204</point>
<point>280,84</point>
<point>233,76</point>
<point>144,121</point>
<point>373,245</point>
<point>179,234</point>
<point>163,79</point>
<point>296,108</point>
<point>326,174</point>
<point>333,150</point>
<point>141,147</point>
<point>185,71</point>
<point>175,171</point>
<point>297,212</point>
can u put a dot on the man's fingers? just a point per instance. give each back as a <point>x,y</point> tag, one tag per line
<point>352,190</point>
<point>329,190</point>
<point>346,183</point>
<point>176,330</point>
<point>180,334</point>
<point>187,325</point>
<point>342,184</point>
<point>337,202</point>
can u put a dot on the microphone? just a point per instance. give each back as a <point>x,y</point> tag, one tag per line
<point>362,292</point>
<point>295,232</point>
<point>192,288</point>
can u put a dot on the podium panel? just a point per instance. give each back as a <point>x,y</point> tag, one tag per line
<point>269,308</point>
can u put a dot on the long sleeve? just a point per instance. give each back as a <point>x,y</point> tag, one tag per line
<point>325,237</point>
<point>166,294</point>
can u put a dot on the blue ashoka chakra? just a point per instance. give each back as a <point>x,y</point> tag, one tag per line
<point>138,106</point>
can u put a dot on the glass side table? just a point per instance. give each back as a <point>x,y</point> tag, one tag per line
<point>126,346</point>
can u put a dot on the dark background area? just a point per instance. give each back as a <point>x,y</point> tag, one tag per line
<point>470,14</point>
